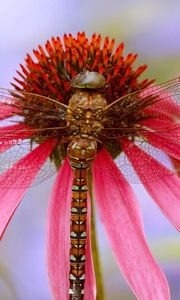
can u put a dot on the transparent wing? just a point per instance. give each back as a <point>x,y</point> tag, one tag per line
<point>158,102</point>
<point>151,172</point>
<point>150,119</point>
<point>26,121</point>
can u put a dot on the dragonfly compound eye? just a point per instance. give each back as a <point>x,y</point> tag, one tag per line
<point>88,80</point>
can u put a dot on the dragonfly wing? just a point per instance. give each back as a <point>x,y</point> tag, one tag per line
<point>19,161</point>
<point>150,119</point>
<point>20,140</point>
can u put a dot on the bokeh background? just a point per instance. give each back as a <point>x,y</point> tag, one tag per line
<point>149,28</point>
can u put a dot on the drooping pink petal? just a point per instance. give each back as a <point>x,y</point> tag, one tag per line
<point>166,106</point>
<point>165,190</point>
<point>7,130</point>
<point>58,233</point>
<point>6,110</point>
<point>19,173</point>
<point>163,127</point>
<point>163,135</point>
<point>119,212</point>
<point>90,281</point>
<point>11,135</point>
<point>170,144</point>
<point>58,239</point>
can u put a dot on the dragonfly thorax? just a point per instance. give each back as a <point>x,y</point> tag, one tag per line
<point>84,115</point>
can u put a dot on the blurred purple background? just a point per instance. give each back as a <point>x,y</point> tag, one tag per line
<point>152,30</point>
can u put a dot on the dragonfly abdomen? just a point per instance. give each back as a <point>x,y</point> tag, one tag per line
<point>78,234</point>
<point>81,152</point>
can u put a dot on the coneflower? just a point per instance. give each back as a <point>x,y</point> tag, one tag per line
<point>80,109</point>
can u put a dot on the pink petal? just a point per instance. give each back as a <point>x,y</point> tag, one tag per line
<point>163,135</point>
<point>166,107</point>
<point>119,212</point>
<point>58,233</point>
<point>11,129</point>
<point>58,239</point>
<point>90,282</point>
<point>7,110</point>
<point>170,144</point>
<point>163,127</point>
<point>10,198</point>
<point>11,135</point>
<point>165,190</point>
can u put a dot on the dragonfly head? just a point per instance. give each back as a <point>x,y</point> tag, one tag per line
<point>88,80</point>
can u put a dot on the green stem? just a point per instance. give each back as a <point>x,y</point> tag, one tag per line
<point>94,245</point>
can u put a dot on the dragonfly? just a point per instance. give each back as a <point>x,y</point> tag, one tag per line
<point>81,129</point>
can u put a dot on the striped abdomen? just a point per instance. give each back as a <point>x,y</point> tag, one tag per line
<point>81,153</point>
<point>78,234</point>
